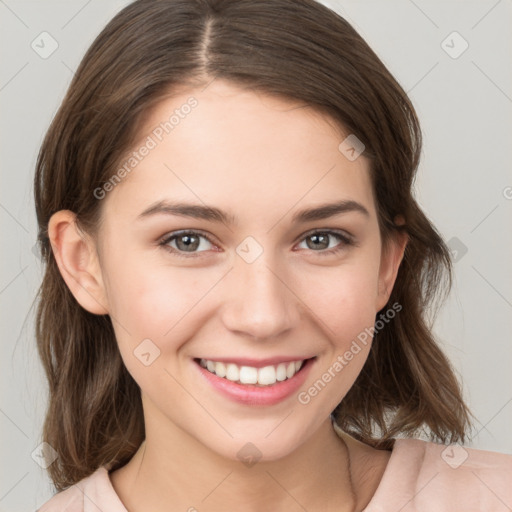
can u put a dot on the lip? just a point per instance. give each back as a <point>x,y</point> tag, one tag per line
<point>250,394</point>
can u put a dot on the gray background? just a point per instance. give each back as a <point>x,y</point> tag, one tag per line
<point>465,185</point>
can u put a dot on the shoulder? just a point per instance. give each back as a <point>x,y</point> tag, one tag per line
<point>425,476</point>
<point>94,492</point>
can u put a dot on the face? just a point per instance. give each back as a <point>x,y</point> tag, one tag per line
<point>262,284</point>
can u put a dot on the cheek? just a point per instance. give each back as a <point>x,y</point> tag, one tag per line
<point>343,301</point>
<point>151,310</point>
<point>156,302</point>
<point>342,298</point>
<point>140,289</point>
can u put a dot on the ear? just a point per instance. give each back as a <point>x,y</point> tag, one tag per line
<point>391,257</point>
<point>77,259</point>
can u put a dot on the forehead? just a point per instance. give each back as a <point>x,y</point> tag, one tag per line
<point>239,149</point>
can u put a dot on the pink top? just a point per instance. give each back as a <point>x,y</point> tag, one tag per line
<point>420,476</point>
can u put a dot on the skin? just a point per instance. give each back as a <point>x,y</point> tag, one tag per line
<point>262,159</point>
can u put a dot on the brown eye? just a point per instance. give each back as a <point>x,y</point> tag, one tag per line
<point>320,241</point>
<point>186,242</point>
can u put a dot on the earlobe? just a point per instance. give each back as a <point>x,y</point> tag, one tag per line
<point>391,258</point>
<point>77,260</point>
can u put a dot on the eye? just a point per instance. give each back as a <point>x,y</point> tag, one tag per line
<point>320,241</point>
<point>189,243</point>
<point>186,242</point>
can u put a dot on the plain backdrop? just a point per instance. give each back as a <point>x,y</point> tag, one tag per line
<point>452,57</point>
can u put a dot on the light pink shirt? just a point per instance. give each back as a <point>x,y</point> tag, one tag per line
<point>420,476</point>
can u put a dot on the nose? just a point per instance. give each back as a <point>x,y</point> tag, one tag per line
<point>261,301</point>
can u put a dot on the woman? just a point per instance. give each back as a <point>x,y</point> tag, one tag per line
<point>237,275</point>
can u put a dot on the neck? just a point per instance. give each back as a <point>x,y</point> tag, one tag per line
<point>174,468</point>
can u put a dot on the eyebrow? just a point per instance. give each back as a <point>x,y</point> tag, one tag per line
<point>211,213</point>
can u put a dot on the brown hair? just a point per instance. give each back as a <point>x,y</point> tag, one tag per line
<point>296,49</point>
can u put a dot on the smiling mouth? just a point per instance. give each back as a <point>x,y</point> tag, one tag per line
<point>264,376</point>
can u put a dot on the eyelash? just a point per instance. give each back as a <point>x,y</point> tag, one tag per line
<point>345,241</point>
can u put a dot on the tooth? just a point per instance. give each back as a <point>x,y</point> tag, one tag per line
<point>248,375</point>
<point>267,375</point>
<point>290,370</point>
<point>281,372</point>
<point>232,372</point>
<point>220,369</point>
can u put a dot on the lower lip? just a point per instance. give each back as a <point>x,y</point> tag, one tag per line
<point>257,395</point>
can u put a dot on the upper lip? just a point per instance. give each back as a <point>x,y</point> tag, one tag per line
<point>257,363</point>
